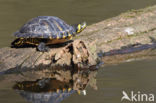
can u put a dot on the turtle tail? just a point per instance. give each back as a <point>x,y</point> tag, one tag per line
<point>80,27</point>
<point>17,42</point>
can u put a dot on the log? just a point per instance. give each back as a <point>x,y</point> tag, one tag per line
<point>130,28</point>
<point>73,54</point>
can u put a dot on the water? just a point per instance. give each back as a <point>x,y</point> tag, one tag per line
<point>14,13</point>
<point>110,81</point>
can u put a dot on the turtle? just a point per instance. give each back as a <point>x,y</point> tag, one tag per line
<point>43,31</point>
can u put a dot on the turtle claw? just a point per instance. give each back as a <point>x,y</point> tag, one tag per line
<point>42,47</point>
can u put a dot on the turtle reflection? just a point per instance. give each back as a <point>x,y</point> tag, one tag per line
<point>56,88</point>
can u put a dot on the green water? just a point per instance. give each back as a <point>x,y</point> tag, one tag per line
<point>14,13</point>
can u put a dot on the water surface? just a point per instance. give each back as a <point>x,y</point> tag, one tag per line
<point>111,81</point>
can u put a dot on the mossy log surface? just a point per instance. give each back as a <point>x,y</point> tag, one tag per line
<point>130,28</point>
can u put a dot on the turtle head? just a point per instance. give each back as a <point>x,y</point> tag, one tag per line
<point>80,27</point>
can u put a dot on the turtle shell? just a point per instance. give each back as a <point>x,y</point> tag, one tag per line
<point>45,27</point>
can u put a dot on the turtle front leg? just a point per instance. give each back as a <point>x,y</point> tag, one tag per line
<point>42,47</point>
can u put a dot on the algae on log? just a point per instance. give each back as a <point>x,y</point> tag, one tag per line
<point>136,26</point>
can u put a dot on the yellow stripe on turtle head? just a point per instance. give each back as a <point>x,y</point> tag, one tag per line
<point>81,27</point>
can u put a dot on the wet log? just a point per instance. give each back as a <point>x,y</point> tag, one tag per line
<point>130,28</point>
